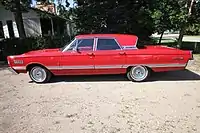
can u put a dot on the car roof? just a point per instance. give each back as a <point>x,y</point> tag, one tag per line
<point>123,39</point>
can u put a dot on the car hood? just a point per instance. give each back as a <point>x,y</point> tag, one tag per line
<point>41,51</point>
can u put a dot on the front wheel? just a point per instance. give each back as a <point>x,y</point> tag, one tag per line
<point>39,74</point>
<point>138,73</point>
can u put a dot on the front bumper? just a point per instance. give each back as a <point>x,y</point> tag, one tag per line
<point>13,71</point>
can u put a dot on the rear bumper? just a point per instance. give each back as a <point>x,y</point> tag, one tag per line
<point>12,70</point>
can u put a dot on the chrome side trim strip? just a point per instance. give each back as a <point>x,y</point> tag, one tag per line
<point>108,66</point>
<point>70,67</point>
<point>19,68</point>
<point>104,66</point>
<point>112,66</point>
<point>157,65</point>
<point>167,65</point>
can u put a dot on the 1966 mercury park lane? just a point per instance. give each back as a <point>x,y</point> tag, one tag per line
<point>100,54</point>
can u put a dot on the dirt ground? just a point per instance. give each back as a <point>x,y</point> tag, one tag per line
<point>168,102</point>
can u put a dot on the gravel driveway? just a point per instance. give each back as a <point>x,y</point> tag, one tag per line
<point>168,102</point>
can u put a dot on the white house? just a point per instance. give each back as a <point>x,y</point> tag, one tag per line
<point>34,23</point>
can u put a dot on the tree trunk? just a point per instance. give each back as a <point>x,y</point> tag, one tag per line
<point>180,38</point>
<point>52,27</point>
<point>190,8</point>
<point>161,37</point>
<point>195,47</point>
<point>19,20</point>
<point>182,31</point>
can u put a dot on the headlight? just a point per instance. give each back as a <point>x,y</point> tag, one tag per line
<point>18,61</point>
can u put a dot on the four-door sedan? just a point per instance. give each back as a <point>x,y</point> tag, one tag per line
<point>100,54</point>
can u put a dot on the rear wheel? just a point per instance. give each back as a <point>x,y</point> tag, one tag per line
<point>39,74</point>
<point>138,73</point>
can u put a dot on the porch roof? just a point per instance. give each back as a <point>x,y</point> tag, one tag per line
<point>48,15</point>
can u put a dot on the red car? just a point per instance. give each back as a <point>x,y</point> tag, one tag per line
<point>100,54</point>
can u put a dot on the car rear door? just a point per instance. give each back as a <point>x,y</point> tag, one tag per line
<point>79,62</point>
<point>109,56</point>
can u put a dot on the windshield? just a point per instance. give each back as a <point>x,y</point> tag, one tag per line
<point>69,46</point>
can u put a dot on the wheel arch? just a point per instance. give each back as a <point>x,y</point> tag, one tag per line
<point>31,65</point>
<point>49,74</point>
<point>129,68</point>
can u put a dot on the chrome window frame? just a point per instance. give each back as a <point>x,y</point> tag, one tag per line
<point>76,41</point>
<point>136,42</point>
<point>130,47</point>
<point>97,38</point>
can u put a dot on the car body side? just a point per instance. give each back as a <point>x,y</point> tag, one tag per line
<point>156,58</point>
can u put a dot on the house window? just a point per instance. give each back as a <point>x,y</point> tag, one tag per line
<point>1,30</point>
<point>10,28</point>
<point>107,44</point>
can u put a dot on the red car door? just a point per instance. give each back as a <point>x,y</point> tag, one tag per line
<point>79,61</point>
<point>109,57</point>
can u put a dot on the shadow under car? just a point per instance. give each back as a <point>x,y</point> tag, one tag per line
<point>183,75</point>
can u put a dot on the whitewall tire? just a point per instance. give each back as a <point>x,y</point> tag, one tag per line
<point>39,74</point>
<point>138,73</point>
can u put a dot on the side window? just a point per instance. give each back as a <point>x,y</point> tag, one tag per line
<point>85,44</point>
<point>107,44</point>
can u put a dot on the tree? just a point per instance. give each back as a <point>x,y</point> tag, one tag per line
<point>164,14</point>
<point>114,16</point>
<point>189,16</point>
<point>194,28</point>
<point>17,7</point>
<point>62,11</point>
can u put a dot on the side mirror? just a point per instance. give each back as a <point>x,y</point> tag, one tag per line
<point>76,50</point>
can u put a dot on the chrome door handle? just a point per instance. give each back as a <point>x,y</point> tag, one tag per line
<point>122,53</point>
<point>90,54</point>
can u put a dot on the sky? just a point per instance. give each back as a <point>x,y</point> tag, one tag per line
<point>71,3</point>
<point>63,2</point>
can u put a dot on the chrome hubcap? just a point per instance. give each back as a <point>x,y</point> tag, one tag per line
<point>38,74</point>
<point>139,73</point>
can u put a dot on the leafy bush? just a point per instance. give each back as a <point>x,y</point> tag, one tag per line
<point>18,46</point>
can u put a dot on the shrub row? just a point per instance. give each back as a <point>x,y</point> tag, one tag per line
<point>18,46</point>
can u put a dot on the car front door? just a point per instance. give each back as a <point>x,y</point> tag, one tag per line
<point>109,57</point>
<point>79,59</point>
